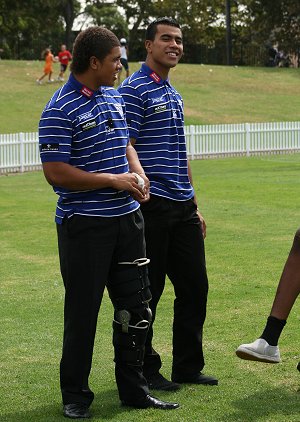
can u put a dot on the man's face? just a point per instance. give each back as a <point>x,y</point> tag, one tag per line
<point>109,67</point>
<point>167,49</point>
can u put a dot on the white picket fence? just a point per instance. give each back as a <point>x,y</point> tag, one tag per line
<point>242,139</point>
<point>19,152</point>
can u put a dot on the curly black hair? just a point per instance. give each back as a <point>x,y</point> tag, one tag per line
<point>93,41</point>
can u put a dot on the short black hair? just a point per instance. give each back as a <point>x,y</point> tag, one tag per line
<point>152,28</point>
<point>93,41</point>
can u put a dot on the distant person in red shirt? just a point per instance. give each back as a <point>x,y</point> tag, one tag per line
<point>64,56</point>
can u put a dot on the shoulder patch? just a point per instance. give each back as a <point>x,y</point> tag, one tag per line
<point>49,147</point>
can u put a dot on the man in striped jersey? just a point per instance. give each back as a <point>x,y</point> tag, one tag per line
<point>174,227</point>
<point>88,159</point>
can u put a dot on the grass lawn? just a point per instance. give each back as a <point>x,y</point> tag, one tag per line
<point>251,211</point>
<point>212,94</point>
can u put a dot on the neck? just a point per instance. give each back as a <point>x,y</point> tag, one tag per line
<point>162,71</point>
<point>86,80</point>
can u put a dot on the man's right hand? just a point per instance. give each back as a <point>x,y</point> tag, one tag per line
<point>128,181</point>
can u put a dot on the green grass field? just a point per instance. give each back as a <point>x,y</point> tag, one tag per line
<point>212,94</point>
<point>251,209</point>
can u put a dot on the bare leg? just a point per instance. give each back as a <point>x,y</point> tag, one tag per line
<point>265,348</point>
<point>289,285</point>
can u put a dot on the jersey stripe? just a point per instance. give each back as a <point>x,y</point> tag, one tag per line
<point>89,133</point>
<point>154,112</point>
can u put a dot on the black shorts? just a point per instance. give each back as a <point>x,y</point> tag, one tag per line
<point>63,67</point>
<point>124,63</point>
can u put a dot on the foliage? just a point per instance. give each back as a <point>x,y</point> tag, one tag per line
<point>30,25</point>
<point>254,23</point>
<point>269,23</point>
<point>109,16</point>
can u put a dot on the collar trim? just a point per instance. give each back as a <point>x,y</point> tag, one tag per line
<point>155,77</point>
<point>86,91</point>
<point>82,89</point>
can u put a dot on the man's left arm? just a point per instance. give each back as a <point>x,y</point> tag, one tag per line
<point>135,167</point>
<point>195,201</point>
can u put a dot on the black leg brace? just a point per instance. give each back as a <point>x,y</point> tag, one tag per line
<point>130,295</point>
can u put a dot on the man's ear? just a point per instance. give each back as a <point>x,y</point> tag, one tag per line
<point>94,62</point>
<point>148,45</point>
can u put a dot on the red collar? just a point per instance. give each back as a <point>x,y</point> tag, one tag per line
<point>87,92</point>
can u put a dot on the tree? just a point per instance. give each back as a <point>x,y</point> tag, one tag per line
<point>273,22</point>
<point>197,19</point>
<point>108,15</point>
<point>228,32</point>
<point>69,10</point>
<point>28,26</point>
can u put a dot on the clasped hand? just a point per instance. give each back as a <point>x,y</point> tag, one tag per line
<point>129,182</point>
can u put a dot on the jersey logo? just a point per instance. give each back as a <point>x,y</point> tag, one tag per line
<point>49,147</point>
<point>85,116</point>
<point>159,108</point>
<point>158,100</point>
<point>155,77</point>
<point>110,125</point>
<point>88,125</point>
<point>86,92</point>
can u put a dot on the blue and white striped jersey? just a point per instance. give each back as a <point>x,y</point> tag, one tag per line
<point>87,130</point>
<point>154,112</point>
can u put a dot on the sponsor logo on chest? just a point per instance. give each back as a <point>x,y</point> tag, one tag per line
<point>160,108</point>
<point>88,125</point>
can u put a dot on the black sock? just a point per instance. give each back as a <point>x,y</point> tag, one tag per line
<point>273,330</point>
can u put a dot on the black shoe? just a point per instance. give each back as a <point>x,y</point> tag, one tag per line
<point>298,366</point>
<point>159,382</point>
<point>150,401</point>
<point>196,379</point>
<point>76,411</point>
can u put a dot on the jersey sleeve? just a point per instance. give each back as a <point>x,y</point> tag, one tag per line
<point>55,135</point>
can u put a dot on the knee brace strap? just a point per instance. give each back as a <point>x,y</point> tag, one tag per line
<point>123,317</point>
<point>135,301</point>
<point>129,346</point>
<point>130,284</point>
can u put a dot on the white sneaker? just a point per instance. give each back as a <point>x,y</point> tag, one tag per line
<point>39,82</point>
<point>259,350</point>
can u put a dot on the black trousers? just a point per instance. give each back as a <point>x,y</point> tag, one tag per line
<point>89,250</point>
<point>175,246</point>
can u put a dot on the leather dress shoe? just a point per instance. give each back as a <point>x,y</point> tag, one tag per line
<point>153,402</point>
<point>159,382</point>
<point>76,411</point>
<point>195,379</point>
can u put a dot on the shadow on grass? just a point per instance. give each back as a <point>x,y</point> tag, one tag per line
<point>106,406</point>
<point>266,405</point>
